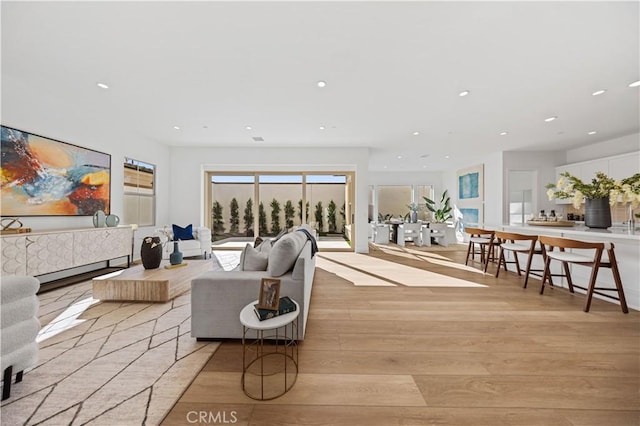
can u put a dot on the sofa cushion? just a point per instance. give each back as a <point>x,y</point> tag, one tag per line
<point>284,253</point>
<point>252,259</point>
<point>180,233</point>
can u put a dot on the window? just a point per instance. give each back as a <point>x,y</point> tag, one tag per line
<point>139,195</point>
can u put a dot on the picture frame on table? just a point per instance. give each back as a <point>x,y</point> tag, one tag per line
<point>269,294</point>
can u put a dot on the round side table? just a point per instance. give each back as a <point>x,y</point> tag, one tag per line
<point>270,360</point>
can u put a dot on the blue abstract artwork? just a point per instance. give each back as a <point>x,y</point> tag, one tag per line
<point>469,186</point>
<point>470,216</point>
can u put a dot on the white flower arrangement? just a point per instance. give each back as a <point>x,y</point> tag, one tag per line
<point>602,186</point>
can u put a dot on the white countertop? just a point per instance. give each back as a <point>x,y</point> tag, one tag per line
<point>616,232</point>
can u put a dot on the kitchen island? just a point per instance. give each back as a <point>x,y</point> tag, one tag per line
<point>627,249</point>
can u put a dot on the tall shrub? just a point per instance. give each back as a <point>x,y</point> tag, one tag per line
<point>216,219</point>
<point>262,220</point>
<point>248,218</point>
<point>289,212</point>
<point>318,216</point>
<point>275,217</point>
<point>234,220</point>
<point>306,210</point>
<point>331,217</point>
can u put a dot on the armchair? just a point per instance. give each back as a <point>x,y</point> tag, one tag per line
<point>199,246</point>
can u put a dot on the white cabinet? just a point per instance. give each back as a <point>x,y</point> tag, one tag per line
<point>41,253</point>
<point>624,166</point>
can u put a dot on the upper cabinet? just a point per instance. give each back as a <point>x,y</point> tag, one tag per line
<point>617,167</point>
<point>624,166</point>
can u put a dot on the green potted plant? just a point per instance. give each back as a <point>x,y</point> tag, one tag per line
<point>599,195</point>
<point>443,213</point>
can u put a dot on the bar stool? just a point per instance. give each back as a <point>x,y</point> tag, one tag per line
<point>595,262</point>
<point>484,240</point>
<point>519,243</point>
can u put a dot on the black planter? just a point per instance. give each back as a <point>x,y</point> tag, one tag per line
<point>597,213</point>
<point>151,252</point>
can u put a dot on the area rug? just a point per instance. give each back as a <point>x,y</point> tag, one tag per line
<point>107,363</point>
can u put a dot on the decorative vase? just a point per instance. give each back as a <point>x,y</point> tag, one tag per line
<point>176,257</point>
<point>112,220</point>
<point>414,217</point>
<point>597,213</point>
<point>151,252</point>
<point>99,219</point>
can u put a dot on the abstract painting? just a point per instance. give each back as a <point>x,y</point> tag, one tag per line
<point>471,183</point>
<point>472,216</point>
<point>45,177</point>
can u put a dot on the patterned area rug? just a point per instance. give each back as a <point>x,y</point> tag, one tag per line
<point>107,363</point>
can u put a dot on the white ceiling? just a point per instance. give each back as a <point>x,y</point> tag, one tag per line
<point>391,68</point>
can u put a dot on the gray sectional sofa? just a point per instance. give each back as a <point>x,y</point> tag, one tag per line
<point>217,297</point>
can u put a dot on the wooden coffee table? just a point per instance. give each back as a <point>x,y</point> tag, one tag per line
<point>137,284</point>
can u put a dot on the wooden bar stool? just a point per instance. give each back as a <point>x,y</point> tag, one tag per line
<point>594,261</point>
<point>519,243</point>
<point>485,242</point>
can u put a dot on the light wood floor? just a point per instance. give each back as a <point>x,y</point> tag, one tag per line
<point>404,355</point>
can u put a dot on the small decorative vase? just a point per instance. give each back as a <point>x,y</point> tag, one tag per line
<point>112,220</point>
<point>175,258</point>
<point>99,219</point>
<point>151,252</point>
<point>414,217</point>
<point>597,213</point>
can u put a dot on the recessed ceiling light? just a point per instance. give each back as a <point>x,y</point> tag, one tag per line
<point>593,132</point>
<point>248,127</point>
<point>504,133</point>
<point>424,155</point>
<point>635,84</point>
<point>322,83</point>
<point>322,127</point>
<point>384,167</point>
<point>102,85</point>
<point>205,127</point>
<point>416,133</point>
<point>176,127</point>
<point>446,156</point>
<point>424,167</point>
<point>399,157</point>
<point>464,93</point>
<point>258,139</point>
<point>598,92</point>
<point>550,119</point>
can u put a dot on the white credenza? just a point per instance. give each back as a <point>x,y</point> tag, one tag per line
<point>39,253</point>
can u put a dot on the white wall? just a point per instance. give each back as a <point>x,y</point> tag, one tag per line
<point>188,167</point>
<point>33,111</point>
<point>621,145</point>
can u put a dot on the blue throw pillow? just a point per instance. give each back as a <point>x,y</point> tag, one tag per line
<point>180,233</point>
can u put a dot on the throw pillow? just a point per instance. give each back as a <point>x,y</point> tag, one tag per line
<point>180,233</point>
<point>252,259</point>
<point>284,253</point>
<point>277,237</point>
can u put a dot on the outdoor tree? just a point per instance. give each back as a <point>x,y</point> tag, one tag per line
<point>216,219</point>
<point>275,216</point>
<point>318,216</point>
<point>262,220</point>
<point>235,219</point>
<point>248,218</point>
<point>289,212</point>
<point>306,210</point>
<point>331,217</point>
<point>343,215</point>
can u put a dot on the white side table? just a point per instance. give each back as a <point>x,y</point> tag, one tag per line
<point>270,358</point>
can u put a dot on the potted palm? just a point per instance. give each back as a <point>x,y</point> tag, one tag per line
<point>443,213</point>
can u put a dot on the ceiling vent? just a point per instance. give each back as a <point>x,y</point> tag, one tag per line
<point>257,139</point>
